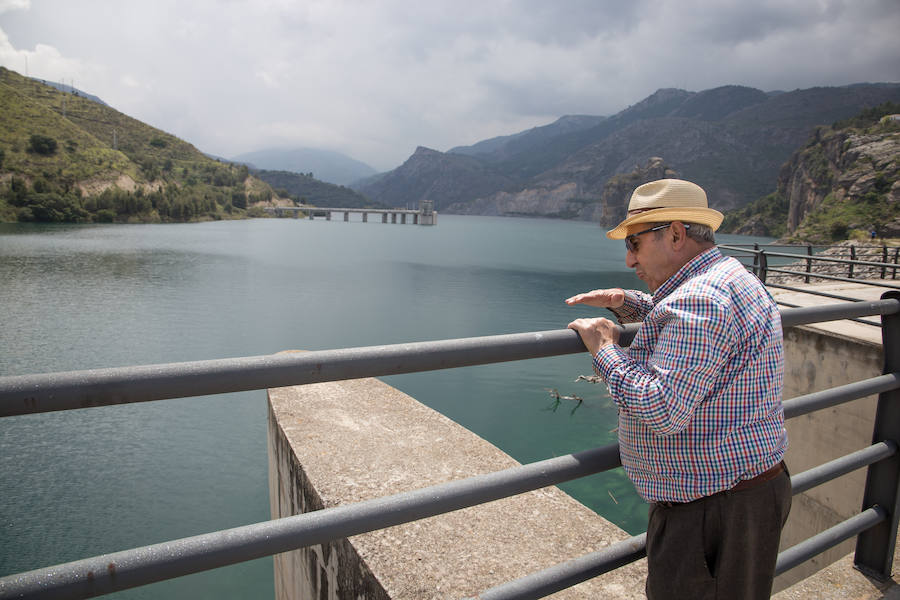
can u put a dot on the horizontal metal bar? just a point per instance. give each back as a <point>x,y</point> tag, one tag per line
<point>876,283</point>
<point>814,257</point>
<point>47,392</point>
<point>130,568</point>
<point>842,465</point>
<point>821,294</point>
<point>565,575</point>
<point>832,259</point>
<point>791,317</point>
<point>807,403</point>
<point>829,538</point>
<point>122,570</point>
<point>553,579</point>
<point>26,394</point>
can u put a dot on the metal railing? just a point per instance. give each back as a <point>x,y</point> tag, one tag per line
<point>875,525</point>
<point>761,267</point>
<point>808,266</point>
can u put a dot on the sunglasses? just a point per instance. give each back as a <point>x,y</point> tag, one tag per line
<point>631,242</point>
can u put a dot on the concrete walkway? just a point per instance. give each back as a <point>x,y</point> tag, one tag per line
<point>840,581</point>
<point>859,291</point>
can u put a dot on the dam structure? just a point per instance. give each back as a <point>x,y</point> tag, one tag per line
<point>424,215</point>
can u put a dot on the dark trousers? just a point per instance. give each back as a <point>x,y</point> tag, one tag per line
<point>723,546</point>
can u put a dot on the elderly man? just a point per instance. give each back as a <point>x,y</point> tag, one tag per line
<point>701,425</point>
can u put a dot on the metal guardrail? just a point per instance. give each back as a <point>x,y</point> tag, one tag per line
<point>761,267</point>
<point>875,526</point>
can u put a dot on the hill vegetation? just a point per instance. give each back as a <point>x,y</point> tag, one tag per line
<point>306,189</point>
<point>64,157</point>
<point>842,184</point>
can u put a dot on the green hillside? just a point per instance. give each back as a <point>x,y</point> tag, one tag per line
<point>306,189</point>
<point>66,158</point>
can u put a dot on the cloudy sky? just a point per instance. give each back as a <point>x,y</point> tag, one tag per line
<point>376,78</point>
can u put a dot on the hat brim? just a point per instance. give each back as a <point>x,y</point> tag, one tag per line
<point>703,216</point>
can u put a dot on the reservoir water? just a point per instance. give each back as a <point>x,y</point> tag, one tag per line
<point>79,483</point>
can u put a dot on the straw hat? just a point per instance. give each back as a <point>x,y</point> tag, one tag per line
<point>667,200</point>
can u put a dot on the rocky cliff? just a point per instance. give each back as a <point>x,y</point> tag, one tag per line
<point>844,181</point>
<point>567,199</point>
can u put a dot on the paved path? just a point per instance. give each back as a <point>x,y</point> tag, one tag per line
<point>859,291</point>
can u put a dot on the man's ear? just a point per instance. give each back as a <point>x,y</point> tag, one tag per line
<point>679,234</point>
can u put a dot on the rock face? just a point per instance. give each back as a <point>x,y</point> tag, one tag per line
<point>558,198</point>
<point>850,167</point>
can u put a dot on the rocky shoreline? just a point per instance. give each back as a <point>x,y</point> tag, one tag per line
<point>876,251</point>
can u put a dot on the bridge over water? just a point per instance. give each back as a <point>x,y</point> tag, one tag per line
<point>424,215</point>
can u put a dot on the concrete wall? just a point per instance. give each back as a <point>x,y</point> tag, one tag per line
<point>816,359</point>
<point>338,443</point>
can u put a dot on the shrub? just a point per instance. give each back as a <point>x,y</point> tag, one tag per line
<point>42,144</point>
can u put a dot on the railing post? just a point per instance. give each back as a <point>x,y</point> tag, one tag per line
<point>884,260</point>
<point>875,546</point>
<point>756,259</point>
<point>852,257</point>
<point>763,265</point>
<point>808,261</point>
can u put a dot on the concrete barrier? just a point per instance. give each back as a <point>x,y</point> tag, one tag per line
<point>337,443</point>
<point>817,359</point>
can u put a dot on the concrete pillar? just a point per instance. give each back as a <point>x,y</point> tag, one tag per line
<point>384,217</point>
<point>365,217</point>
<point>416,219</point>
<point>328,216</point>
<point>403,219</point>
<point>346,216</point>
<point>393,217</point>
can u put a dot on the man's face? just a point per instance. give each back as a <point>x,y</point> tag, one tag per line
<point>652,256</point>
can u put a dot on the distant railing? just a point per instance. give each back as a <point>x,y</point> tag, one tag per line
<point>875,525</point>
<point>779,269</point>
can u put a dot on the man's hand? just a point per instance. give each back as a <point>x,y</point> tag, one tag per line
<point>609,298</point>
<point>596,333</point>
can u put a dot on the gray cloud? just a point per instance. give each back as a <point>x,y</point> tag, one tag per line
<point>375,79</point>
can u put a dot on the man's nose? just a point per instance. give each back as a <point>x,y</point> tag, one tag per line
<point>630,259</point>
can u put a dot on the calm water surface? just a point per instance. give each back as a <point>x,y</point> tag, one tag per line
<point>86,482</point>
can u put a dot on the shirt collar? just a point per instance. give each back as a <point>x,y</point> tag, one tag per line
<point>696,265</point>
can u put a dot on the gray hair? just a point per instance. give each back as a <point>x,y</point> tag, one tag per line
<point>697,232</point>
<point>701,233</point>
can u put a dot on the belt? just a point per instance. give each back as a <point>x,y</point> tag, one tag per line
<point>763,477</point>
<point>744,484</point>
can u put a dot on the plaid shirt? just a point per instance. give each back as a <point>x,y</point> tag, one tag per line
<point>699,389</point>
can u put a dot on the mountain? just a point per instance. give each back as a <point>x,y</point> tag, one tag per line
<point>731,140</point>
<point>308,190</point>
<point>844,182</point>
<point>64,157</point>
<point>432,175</point>
<point>325,165</point>
<point>495,149</point>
